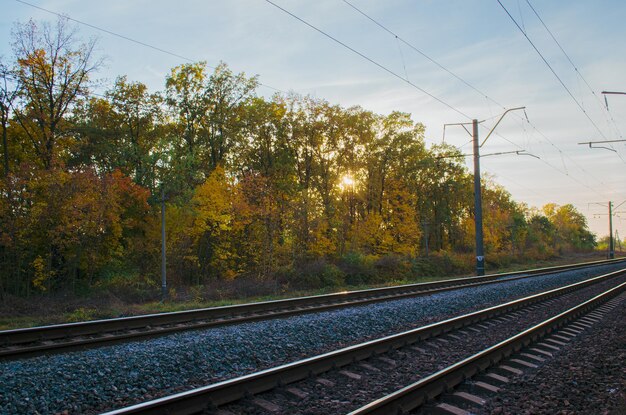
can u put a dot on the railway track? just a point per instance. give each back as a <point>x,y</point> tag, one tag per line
<point>497,363</point>
<point>57,338</point>
<point>394,359</point>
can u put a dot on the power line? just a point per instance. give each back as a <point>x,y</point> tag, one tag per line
<point>86,94</point>
<point>147,45</point>
<point>416,49</point>
<point>557,77</point>
<point>551,69</point>
<point>598,100</point>
<point>367,58</point>
<point>469,85</point>
<point>65,16</point>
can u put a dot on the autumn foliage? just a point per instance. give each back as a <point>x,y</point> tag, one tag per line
<point>287,189</point>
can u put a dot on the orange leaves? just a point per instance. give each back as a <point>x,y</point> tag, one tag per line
<point>66,221</point>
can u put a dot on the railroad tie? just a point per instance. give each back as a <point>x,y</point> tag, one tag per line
<point>417,349</point>
<point>549,346</point>
<point>486,387</point>
<point>297,393</point>
<point>508,369</point>
<point>369,367</point>
<point>533,356</point>
<point>464,398</point>
<point>571,331</point>
<point>325,382</point>
<point>556,342</point>
<point>562,336</point>
<point>523,364</point>
<point>496,378</point>
<point>447,409</point>
<point>541,351</point>
<point>267,405</point>
<point>351,375</point>
<point>387,360</point>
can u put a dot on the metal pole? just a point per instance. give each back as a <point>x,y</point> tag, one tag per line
<point>163,262</point>
<point>611,247</point>
<point>425,230</point>
<point>478,205</point>
<point>5,149</point>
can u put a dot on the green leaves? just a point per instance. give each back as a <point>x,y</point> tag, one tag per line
<point>253,185</point>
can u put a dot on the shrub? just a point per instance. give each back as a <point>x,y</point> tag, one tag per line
<point>130,287</point>
<point>358,269</point>
<point>392,267</point>
<point>316,274</point>
<point>81,314</point>
<point>442,263</point>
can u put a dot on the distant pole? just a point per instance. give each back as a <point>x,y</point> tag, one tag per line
<point>163,262</point>
<point>478,204</point>
<point>425,230</point>
<point>611,246</point>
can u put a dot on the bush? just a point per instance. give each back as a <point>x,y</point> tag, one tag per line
<point>315,274</point>
<point>81,314</point>
<point>358,269</point>
<point>442,263</point>
<point>130,287</point>
<point>392,267</point>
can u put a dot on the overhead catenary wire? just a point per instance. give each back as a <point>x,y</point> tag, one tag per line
<point>372,61</point>
<point>88,94</point>
<point>144,44</point>
<point>174,54</point>
<point>580,75</point>
<point>545,61</point>
<point>478,91</point>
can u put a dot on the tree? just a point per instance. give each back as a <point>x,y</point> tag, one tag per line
<point>54,71</point>
<point>210,115</point>
<point>226,95</point>
<point>570,225</point>
<point>184,88</point>
<point>121,131</point>
<point>9,90</point>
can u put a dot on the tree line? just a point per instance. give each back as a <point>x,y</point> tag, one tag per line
<point>288,186</point>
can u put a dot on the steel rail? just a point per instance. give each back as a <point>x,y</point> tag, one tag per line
<point>228,391</point>
<point>34,340</point>
<point>430,387</point>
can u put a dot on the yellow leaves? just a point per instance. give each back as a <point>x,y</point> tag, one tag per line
<point>213,203</point>
<point>41,273</point>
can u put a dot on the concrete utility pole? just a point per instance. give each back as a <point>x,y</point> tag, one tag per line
<point>478,204</point>
<point>611,244</point>
<point>611,253</point>
<point>163,259</point>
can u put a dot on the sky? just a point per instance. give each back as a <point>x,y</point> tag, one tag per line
<point>494,67</point>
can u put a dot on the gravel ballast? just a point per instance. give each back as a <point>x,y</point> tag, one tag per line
<point>110,377</point>
<point>586,377</point>
<point>383,374</point>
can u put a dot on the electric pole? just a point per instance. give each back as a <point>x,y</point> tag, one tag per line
<point>163,260</point>
<point>611,245</point>
<point>478,204</point>
<point>611,253</point>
